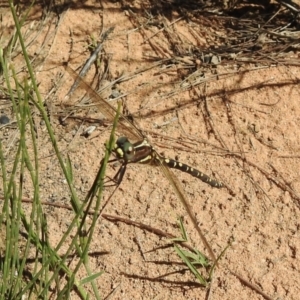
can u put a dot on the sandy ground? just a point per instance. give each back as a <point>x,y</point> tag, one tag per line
<point>249,140</point>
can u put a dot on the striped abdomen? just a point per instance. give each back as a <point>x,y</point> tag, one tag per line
<point>185,168</point>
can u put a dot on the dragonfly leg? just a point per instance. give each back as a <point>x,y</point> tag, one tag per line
<point>120,174</point>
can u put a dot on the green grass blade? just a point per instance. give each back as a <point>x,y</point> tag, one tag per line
<point>191,266</point>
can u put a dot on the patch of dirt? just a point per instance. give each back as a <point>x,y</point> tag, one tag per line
<point>241,128</point>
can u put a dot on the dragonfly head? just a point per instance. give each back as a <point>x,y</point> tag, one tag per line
<point>124,149</point>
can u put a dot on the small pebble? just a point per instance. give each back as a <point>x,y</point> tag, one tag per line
<point>215,60</point>
<point>4,119</point>
<point>115,94</point>
<point>88,131</point>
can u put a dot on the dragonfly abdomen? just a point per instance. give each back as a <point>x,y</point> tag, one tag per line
<point>171,163</point>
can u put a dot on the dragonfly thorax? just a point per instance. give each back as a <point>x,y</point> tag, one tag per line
<point>140,152</point>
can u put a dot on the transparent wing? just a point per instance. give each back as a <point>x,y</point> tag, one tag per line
<point>179,191</point>
<point>125,126</point>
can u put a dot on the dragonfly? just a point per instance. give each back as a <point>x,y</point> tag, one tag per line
<point>143,152</point>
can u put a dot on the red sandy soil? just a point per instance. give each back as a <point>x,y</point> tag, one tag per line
<point>255,115</point>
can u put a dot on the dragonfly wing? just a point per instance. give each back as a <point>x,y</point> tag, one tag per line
<point>125,126</point>
<point>179,191</point>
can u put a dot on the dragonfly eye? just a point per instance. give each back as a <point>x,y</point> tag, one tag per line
<point>124,148</point>
<point>122,141</point>
<point>129,150</point>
